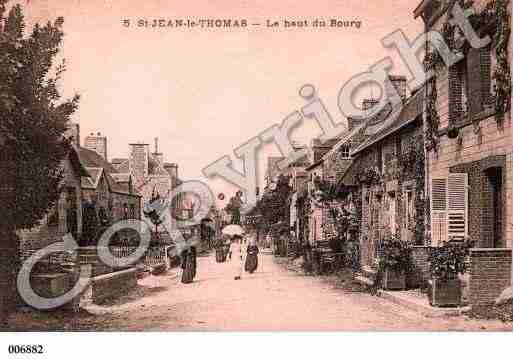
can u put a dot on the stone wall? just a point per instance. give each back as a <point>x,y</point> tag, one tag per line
<point>489,274</point>
<point>54,225</point>
<point>112,285</point>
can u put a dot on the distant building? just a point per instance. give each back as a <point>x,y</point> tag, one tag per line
<point>151,174</point>
<point>112,193</point>
<point>97,143</point>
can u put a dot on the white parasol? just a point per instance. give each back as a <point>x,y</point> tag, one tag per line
<point>233,229</point>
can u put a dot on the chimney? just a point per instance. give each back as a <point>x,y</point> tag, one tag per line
<point>97,143</point>
<point>139,161</point>
<point>368,103</point>
<point>399,84</point>
<point>158,156</point>
<point>353,122</point>
<point>172,169</point>
<point>319,149</point>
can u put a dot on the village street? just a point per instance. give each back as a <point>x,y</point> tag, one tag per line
<point>273,298</point>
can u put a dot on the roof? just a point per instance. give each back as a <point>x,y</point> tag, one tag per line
<point>93,180</point>
<point>349,176</point>
<point>399,118</point>
<point>314,165</point>
<point>96,165</point>
<point>121,177</point>
<point>74,157</point>
<point>117,161</point>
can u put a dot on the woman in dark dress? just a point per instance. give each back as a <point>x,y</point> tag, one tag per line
<point>188,265</point>
<point>251,258</point>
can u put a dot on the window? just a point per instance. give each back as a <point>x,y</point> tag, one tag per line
<point>125,211</point>
<point>481,88</point>
<point>344,151</point>
<point>449,208</point>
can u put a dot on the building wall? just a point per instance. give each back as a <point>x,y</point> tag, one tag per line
<point>139,162</point>
<point>97,143</point>
<point>54,225</point>
<point>471,155</point>
<point>387,208</point>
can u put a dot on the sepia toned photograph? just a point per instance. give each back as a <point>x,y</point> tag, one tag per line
<point>254,166</point>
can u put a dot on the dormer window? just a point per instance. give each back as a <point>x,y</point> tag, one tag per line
<point>344,152</point>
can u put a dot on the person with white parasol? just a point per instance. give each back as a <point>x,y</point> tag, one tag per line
<point>237,234</point>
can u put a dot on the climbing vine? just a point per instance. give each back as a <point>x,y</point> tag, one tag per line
<point>502,72</point>
<point>494,11</point>
<point>432,117</point>
<point>413,162</point>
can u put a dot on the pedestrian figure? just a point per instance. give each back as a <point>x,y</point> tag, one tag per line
<point>188,265</point>
<point>238,248</point>
<point>251,257</point>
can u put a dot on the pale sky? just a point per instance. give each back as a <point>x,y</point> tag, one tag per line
<point>204,92</point>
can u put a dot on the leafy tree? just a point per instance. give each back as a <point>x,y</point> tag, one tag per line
<point>233,207</point>
<point>273,204</point>
<point>33,121</point>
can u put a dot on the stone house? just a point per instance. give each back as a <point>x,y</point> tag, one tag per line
<point>112,194</point>
<point>339,158</point>
<point>473,156</point>
<point>389,183</point>
<point>151,175</point>
<point>66,215</point>
<point>469,162</point>
<point>315,173</point>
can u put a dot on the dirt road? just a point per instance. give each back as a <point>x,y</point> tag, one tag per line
<point>273,298</point>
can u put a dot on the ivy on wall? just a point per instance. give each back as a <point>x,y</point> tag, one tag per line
<point>432,117</point>
<point>413,161</point>
<point>502,72</point>
<point>495,11</point>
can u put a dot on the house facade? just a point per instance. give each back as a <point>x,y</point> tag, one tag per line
<point>66,215</point>
<point>389,171</point>
<point>151,175</point>
<point>113,196</point>
<point>469,167</point>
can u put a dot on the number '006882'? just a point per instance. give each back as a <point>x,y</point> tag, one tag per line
<point>25,349</point>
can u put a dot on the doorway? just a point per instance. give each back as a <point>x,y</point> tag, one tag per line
<point>496,204</point>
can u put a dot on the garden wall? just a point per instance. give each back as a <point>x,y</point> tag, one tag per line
<point>489,274</point>
<point>112,285</point>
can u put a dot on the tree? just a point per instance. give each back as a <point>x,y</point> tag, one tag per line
<point>273,204</point>
<point>33,121</point>
<point>155,209</point>
<point>233,207</point>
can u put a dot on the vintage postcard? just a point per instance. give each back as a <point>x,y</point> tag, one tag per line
<point>173,166</point>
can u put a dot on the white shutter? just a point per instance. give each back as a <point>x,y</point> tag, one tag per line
<point>457,195</point>
<point>438,211</point>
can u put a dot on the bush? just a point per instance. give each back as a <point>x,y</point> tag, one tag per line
<point>447,261</point>
<point>395,254</point>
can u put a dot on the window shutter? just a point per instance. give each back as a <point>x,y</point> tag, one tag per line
<point>438,210</point>
<point>474,81</point>
<point>457,195</point>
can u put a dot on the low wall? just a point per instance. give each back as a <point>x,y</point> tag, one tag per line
<point>489,274</point>
<point>112,285</point>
